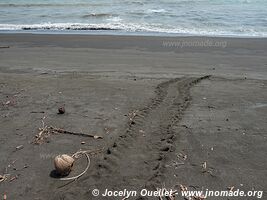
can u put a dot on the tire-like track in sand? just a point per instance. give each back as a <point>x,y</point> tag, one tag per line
<point>138,156</point>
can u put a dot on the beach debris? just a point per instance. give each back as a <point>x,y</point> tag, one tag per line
<point>204,165</point>
<point>8,102</point>
<point>4,177</point>
<point>205,169</point>
<point>141,131</point>
<point>87,167</point>
<point>37,112</point>
<point>59,130</point>
<point>63,164</point>
<point>175,164</point>
<point>66,163</point>
<point>132,115</point>
<point>82,142</point>
<point>46,131</point>
<point>61,110</point>
<point>182,156</point>
<point>19,147</point>
<point>183,188</point>
<point>11,102</point>
<point>5,197</point>
<point>231,188</point>
<point>4,47</point>
<point>14,178</point>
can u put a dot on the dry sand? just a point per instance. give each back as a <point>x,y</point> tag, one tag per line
<point>159,112</point>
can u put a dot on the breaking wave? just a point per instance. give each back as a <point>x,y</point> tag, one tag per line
<point>131,27</point>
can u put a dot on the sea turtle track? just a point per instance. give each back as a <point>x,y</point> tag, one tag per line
<point>138,156</point>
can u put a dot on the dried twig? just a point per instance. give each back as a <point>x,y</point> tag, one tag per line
<point>46,131</point>
<point>4,177</point>
<point>59,130</point>
<point>13,178</point>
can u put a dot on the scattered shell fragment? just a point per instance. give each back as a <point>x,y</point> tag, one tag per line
<point>19,147</point>
<point>204,165</point>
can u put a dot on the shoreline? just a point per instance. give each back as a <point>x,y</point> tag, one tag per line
<point>126,33</point>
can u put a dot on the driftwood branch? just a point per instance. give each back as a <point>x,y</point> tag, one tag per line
<point>46,131</point>
<point>59,130</point>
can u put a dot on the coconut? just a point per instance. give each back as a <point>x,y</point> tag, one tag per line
<point>63,164</point>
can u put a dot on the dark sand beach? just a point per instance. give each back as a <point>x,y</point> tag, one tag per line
<point>191,115</point>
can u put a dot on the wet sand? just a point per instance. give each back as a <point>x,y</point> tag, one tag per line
<point>162,111</point>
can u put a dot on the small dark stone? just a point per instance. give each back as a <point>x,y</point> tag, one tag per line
<point>61,110</point>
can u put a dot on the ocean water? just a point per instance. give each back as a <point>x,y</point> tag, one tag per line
<point>186,17</point>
